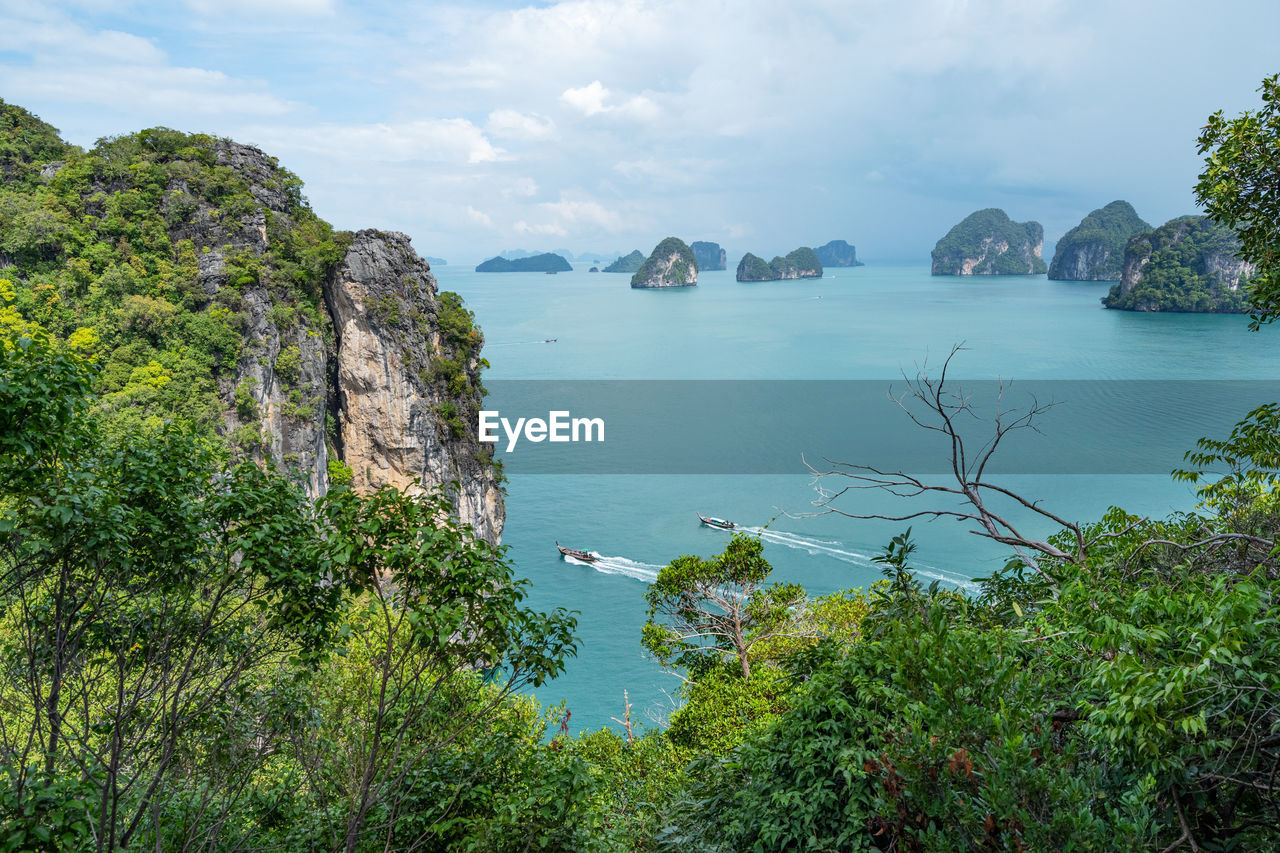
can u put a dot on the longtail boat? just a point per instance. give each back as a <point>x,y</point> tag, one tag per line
<point>718,523</point>
<point>584,556</point>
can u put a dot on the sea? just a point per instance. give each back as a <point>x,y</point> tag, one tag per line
<point>878,323</point>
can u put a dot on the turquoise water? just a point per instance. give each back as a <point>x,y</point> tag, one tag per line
<point>873,322</point>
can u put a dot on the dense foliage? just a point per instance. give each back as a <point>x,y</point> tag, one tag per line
<point>800,263</point>
<point>671,263</point>
<point>627,263</point>
<point>993,242</point>
<point>1240,188</point>
<point>1191,264</point>
<point>546,262</point>
<point>27,144</point>
<point>108,252</point>
<point>1099,240</point>
<point>196,654</point>
<point>754,268</point>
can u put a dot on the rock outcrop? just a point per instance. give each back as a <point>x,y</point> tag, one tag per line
<point>671,264</point>
<point>755,268</point>
<point>1190,264</point>
<point>331,354</point>
<point>709,255</point>
<point>988,242</point>
<point>627,263</point>
<point>546,262</point>
<point>1094,249</point>
<point>403,383</point>
<point>838,253</point>
<point>800,263</point>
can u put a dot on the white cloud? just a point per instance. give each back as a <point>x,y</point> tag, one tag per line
<point>580,212</point>
<point>521,188</point>
<point>512,124</point>
<point>154,91</point>
<point>479,217</point>
<point>127,74</point>
<point>549,229</point>
<point>272,8</point>
<point>452,140</point>
<point>590,100</point>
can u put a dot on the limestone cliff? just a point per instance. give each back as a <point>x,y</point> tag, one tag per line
<point>1094,249</point>
<point>406,380</point>
<point>369,381</point>
<point>709,255</point>
<point>208,291</point>
<point>800,263</point>
<point>987,242</point>
<point>671,264</point>
<point>1190,264</point>
<point>755,268</point>
<point>838,253</point>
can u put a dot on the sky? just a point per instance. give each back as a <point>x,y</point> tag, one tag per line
<point>607,125</point>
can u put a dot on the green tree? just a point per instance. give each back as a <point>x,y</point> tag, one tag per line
<point>704,610</point>
<point>161,609</point>
<point>1240,188</point>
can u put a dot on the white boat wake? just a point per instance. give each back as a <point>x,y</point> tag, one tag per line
<point>646,572</point>
<point>828,547</point>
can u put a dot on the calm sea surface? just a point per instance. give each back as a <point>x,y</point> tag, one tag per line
<point>873,322</point>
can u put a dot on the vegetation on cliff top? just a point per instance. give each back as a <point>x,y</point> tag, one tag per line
<point>1109,227</point>
<point>977,235</point>
<point>659,269</point>
<point>627,263</point>
<point>141,251</point>
<point>799,263</point>
<point>754,268</point>
<point>1180,273</point>
<point>546,262</point>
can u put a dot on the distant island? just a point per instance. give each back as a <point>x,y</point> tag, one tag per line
<point>627,263</point>
<point>1094,249</point>
<point>709,255</point>
<point>1190,264</point>
<point>437,262</point>
<point>546,262</point>
<point>988,242</point>
<point>838,253</point>
<point>800,263</point>
<point>671,264</point>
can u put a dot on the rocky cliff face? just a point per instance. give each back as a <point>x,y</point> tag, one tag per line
<point>402,386</point>
<point>332,354</point>
<point>671,264</point>
<point>797,264</point>
<point>1094,249</point>
<point>838,253</point>
<point>709,255</point>
<point>1190,264</point>
<point>988,242</point>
